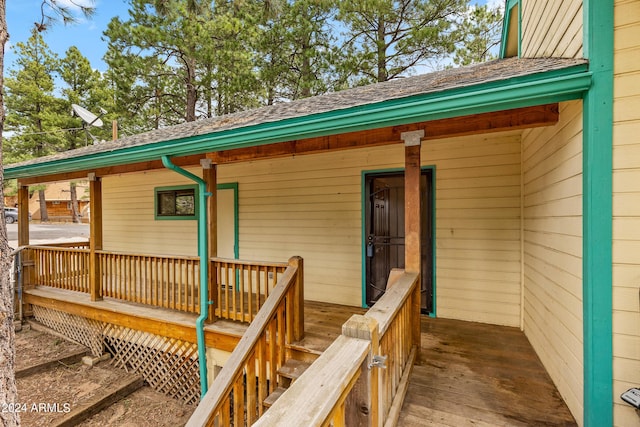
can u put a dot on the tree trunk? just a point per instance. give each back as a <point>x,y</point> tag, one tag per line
<point>75,215</point>
<point>192,91</point>
<point>44,215</point>
<point>8,390</point>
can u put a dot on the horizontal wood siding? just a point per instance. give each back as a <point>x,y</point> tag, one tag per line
<point>552,182</point>
<point>477,227</point>
<point>626,208</point>
<point>311,206</point>
<point>552,28</point>
<point>128,216</point>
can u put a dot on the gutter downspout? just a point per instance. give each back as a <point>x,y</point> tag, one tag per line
<point>203,253</point>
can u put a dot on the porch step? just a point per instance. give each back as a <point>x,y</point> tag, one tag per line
<point>293,368</point>
<point>271,399</point>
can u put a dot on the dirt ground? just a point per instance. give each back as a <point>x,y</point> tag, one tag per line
<point>49,395</point>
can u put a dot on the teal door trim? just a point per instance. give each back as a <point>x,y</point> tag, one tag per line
<point>363,208</point>
<point>598,214</point>
<point>236,220</point>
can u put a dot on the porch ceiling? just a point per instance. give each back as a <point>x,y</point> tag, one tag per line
<point>494,86</point>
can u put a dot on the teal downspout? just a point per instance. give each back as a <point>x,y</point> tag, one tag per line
<point>203,253</point>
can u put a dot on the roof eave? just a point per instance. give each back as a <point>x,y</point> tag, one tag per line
<point>524,91</point>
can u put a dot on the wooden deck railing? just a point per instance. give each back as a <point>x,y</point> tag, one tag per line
<point>240,288</point>
<point>357,389</point>
<point>236,396</point>
<point>61,267</point>
<point>161,281</point>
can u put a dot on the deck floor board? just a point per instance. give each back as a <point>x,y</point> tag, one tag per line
<point>477,374</point>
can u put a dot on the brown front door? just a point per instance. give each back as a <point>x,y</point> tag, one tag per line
<point>384,233</point>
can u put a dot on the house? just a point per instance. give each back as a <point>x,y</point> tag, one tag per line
<point>506,190</point>
<point>58,201</point>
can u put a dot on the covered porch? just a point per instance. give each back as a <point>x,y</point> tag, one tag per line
<point>503,210</point>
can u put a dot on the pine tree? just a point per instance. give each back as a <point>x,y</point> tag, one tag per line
<point>385,39</point>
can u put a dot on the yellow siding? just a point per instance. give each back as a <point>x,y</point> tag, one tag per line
<point>128,216</point>
<point>311,206</point>
<point>626,208</point>
<point>552,28</point>
<point>477,227</point>
<point>552,182</point>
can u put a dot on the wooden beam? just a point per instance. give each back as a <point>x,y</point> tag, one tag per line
<point>23,215</point>
<point>210,176</point>
<point>412,209</point>
<point>158,326</point>
<point>95,239</point>
<point>519,118</point>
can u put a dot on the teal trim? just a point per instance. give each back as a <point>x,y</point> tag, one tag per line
<point>506,20</point>
<point>236,219</point>
<point>534,89</point>
<point>363,196</point>
<point>203,253</point>
<point>598,215</point>
<point>433,237</point>
<point>159,217</point>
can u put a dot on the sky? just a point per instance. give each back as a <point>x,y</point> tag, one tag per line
<point>86,34</point>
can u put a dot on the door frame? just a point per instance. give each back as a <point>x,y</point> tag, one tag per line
<point>236,228</point>
<point>363,231</point>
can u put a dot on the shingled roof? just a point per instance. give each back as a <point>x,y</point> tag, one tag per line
<point>434,83</point>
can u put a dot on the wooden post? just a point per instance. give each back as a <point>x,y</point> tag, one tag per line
<point>27,258</point>
<point>210,176</point>
<point>412,218</point>
<point>363,404</point>
<point>95,239</point>
<point>298,303</point>
<point>23,215</point>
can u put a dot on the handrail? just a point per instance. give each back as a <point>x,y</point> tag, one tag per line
<point>335,372</point>
<point>266,337</point>
<point>348,365</point>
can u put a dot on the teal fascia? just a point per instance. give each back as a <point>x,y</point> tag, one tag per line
<point>535,89</point>
<point>598,214</point>
<point>508,11</point>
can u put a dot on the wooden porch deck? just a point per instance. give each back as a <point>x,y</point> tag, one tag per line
<point>323,321</point>
<point>481,375</point>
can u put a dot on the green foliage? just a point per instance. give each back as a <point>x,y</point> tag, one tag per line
<point>480,35</point>
<point>386,39</point>
<point>86,87</point>
<point>32,108</point>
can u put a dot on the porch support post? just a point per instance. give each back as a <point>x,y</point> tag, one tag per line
<point>412,222</point>
<point>210,176</point>
<point>95,239</point>
<point>298,298</point>
<point>363,405</point>
<point>26,258</point>
<point>23,215</point>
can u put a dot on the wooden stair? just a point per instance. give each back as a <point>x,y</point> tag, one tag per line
<point>290,371</point>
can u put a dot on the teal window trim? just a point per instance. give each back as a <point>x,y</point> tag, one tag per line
<point>508,12</point>
<point>160,190</point>
<point>363,207</point>
<point>597,208</point>
<point>236,219</point>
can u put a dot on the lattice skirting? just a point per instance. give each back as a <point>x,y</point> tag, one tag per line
<point>79,329</point>
<point>169,365</point>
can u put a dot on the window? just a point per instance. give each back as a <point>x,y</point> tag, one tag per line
<point>176,202</point>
